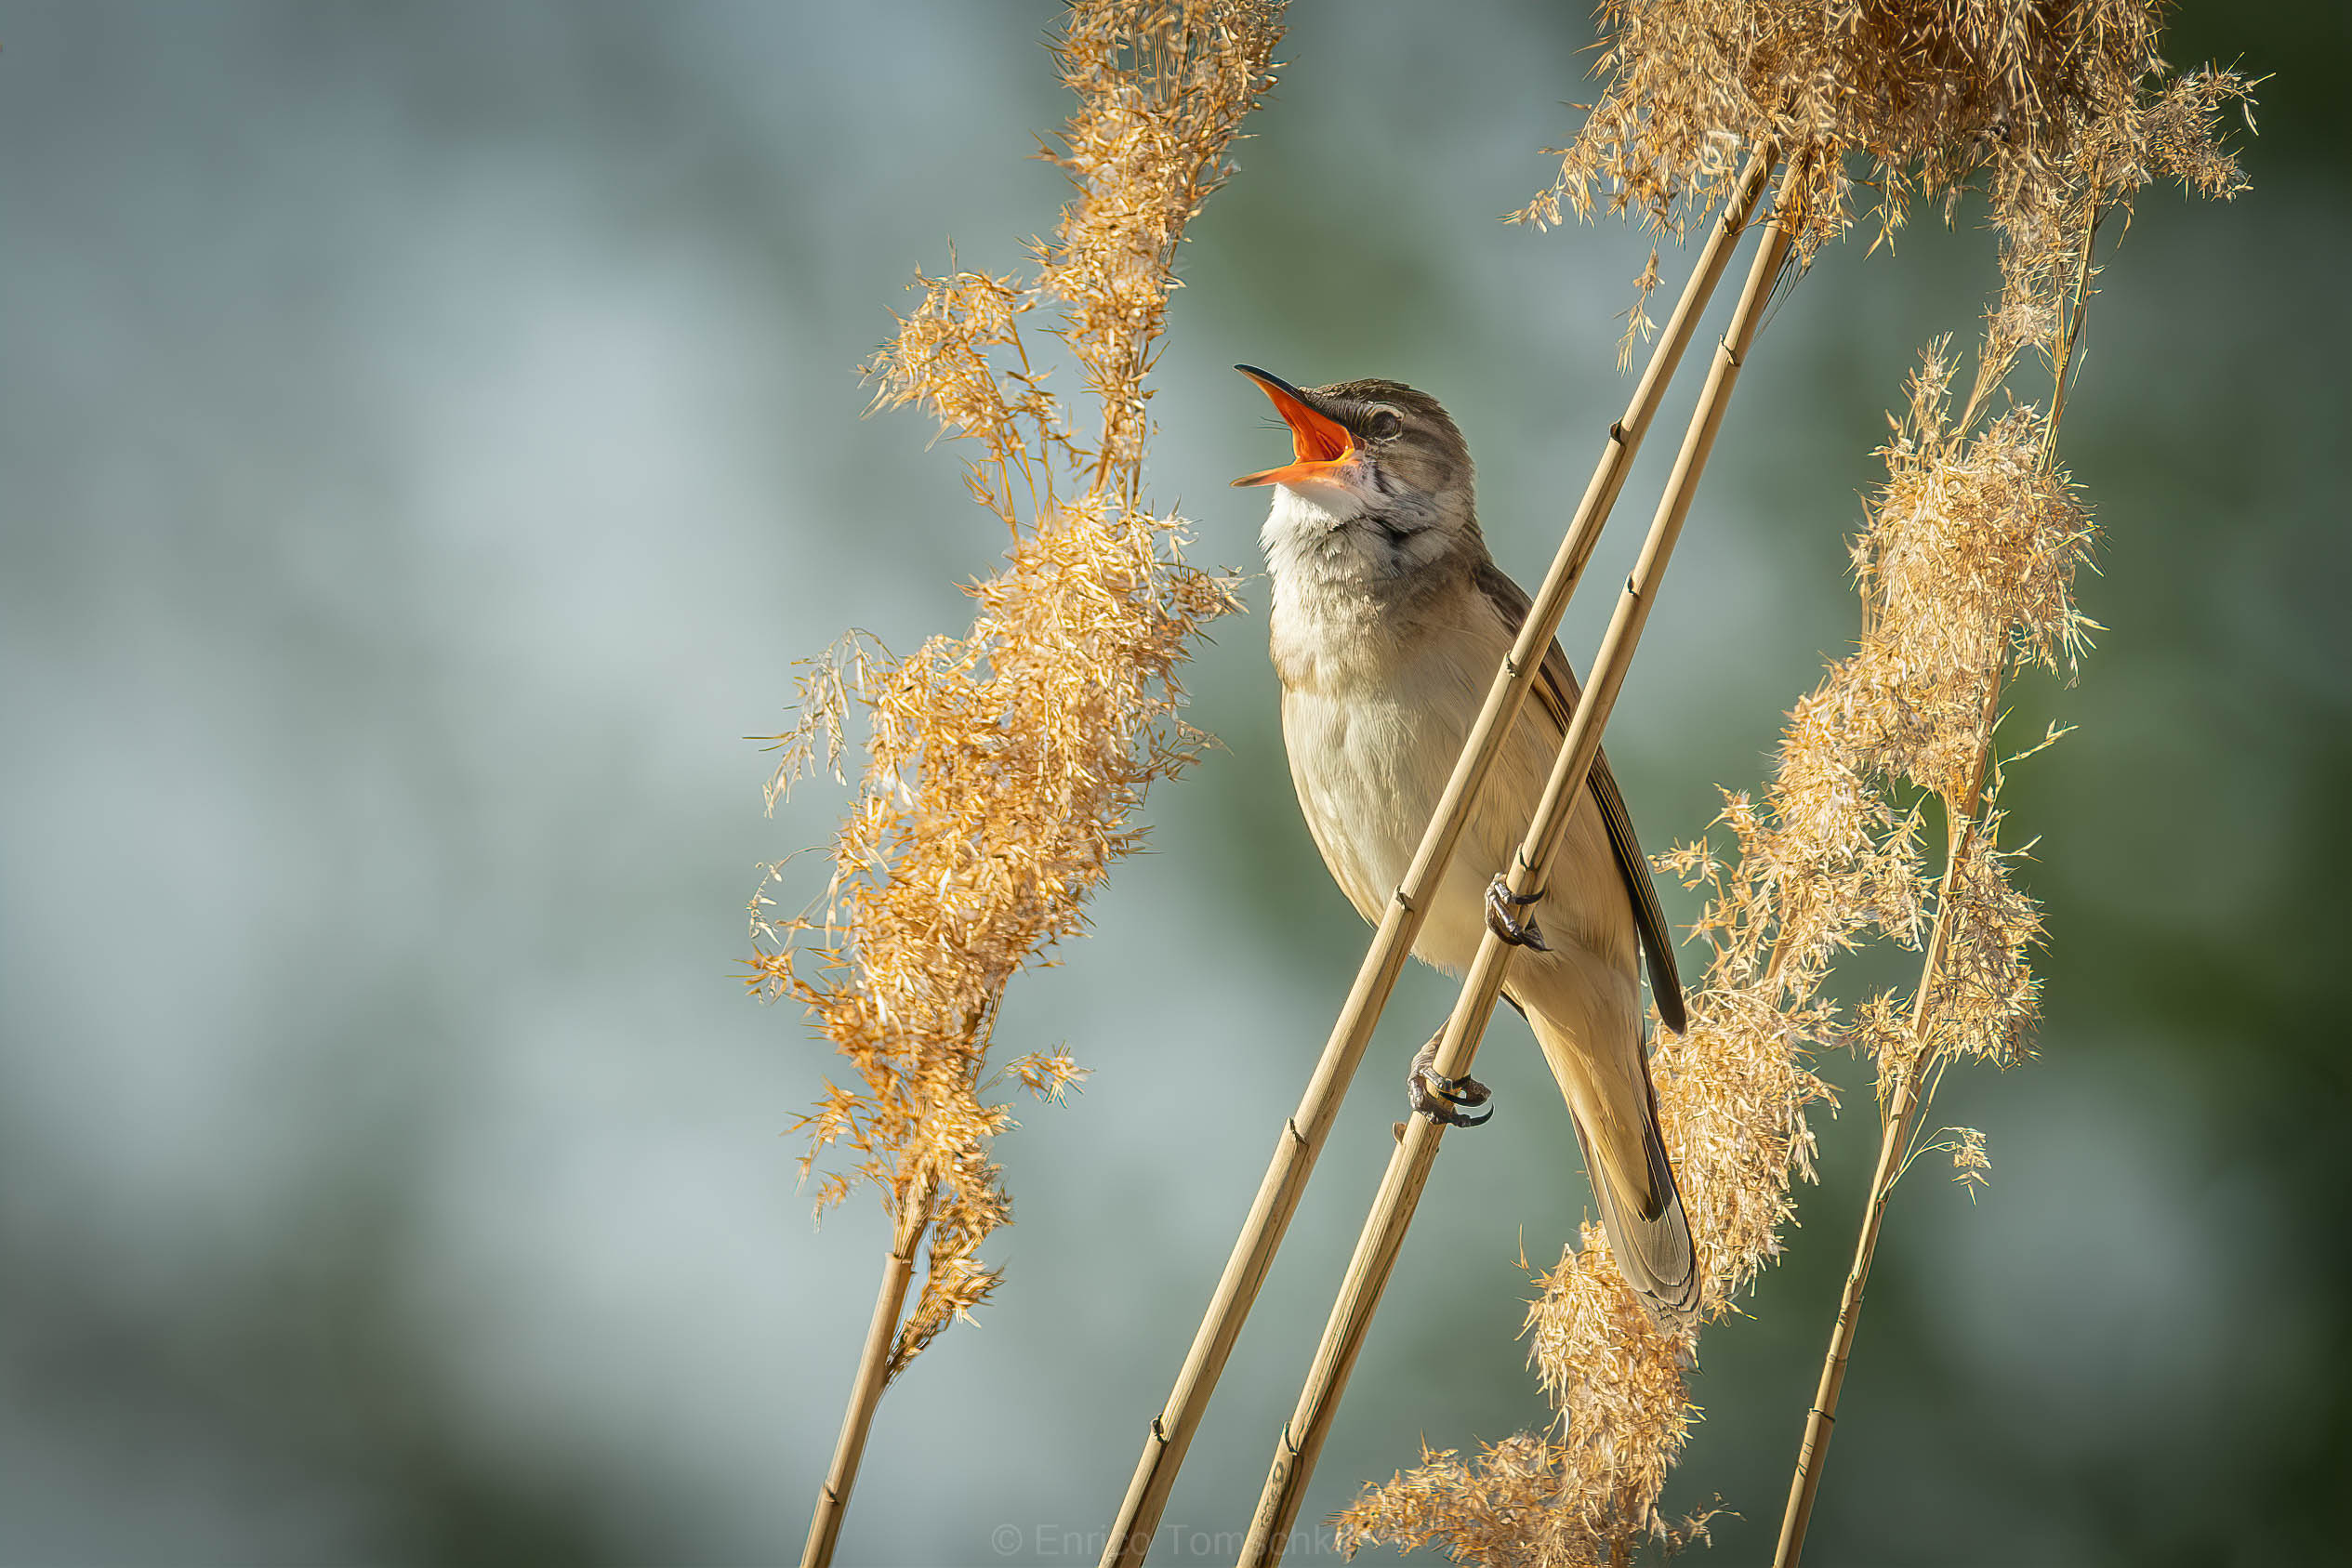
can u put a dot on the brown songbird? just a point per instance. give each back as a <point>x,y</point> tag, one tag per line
<point>1389,622</point>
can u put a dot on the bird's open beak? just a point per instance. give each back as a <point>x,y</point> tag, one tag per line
<point>1319,444</point>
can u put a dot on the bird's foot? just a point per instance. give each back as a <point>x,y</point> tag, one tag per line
<point>1503,920</point>
<point>1434,1095</point>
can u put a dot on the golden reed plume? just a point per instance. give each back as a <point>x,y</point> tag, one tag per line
<point>1005,767</point>
<point>2057,114</point>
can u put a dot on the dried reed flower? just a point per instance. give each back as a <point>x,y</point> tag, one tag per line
<point>1005,767</point>
<point>2017,97</point>
<point>1971,1163</point>
<point>1966,567</point>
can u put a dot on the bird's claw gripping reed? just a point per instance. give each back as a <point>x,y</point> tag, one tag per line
<point>1502,918</point>
<point>1434,1095</point>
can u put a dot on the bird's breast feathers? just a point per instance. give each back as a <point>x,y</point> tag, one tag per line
<point>1368,767</point>
<point>1373,723</point>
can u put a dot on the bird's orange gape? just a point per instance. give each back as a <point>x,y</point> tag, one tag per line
<point>1319,444</point>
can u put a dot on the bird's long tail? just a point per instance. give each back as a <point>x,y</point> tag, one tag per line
<point>1652,1240</point>
<point>1614,1106</point>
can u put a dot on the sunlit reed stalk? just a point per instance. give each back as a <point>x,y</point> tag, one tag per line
<point>1301,1442</point>
<point>873,1374</point>
<point>1005,769</point>
<point>2057,113</point>
<point>1302,1135</point>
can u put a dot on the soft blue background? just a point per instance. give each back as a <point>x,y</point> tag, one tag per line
<point>427,436</point>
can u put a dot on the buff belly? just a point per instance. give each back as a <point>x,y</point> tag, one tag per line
<point>1369,765</point>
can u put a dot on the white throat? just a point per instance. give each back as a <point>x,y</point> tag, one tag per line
<point>1330,535</point>
<point>1340,571</point>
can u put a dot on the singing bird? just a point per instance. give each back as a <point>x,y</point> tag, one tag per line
<point>1389,622</point>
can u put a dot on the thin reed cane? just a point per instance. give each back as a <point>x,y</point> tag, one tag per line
<point>1903,1107</point>
<point>1301,1440</point>
<point>873,1374</point>
<point>1301,1136</point>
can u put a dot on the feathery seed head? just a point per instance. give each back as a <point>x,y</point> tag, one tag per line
<point>1005,767</point>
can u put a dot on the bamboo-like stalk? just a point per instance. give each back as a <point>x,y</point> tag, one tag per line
<point>873,1375</point>
<point>1302,1135</point>
<point>1301,1439</point>
<point>1903,1107</point>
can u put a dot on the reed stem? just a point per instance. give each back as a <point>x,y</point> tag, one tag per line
<point>873,1376</point>
<point>1904,1103</point>
<point>1302,1135</point>
<point>1303,1437</point>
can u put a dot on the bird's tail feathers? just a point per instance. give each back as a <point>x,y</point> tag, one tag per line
<point>1654,1251</point>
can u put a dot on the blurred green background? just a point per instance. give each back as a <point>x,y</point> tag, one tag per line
<point>428,434</point>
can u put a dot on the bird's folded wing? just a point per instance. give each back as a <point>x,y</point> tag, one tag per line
<point>1557,689</point>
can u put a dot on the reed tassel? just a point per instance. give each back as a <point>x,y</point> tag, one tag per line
<point>1303,1135</point>
<point>1303,1437</point>
<point>1909,1098</point>
<point>1007,768</point>
<point>873,1376</point>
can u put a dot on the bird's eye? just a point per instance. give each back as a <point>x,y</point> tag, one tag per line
<point>1385,425</point>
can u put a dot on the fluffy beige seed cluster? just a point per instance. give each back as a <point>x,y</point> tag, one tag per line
<point>2060,113</point>
<point>1004,769</point>
<point>1924,95</point>
<point>1162,89</point>
<point>2042,105</point>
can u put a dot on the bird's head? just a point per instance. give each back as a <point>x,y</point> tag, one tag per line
<point>1375,456</point>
